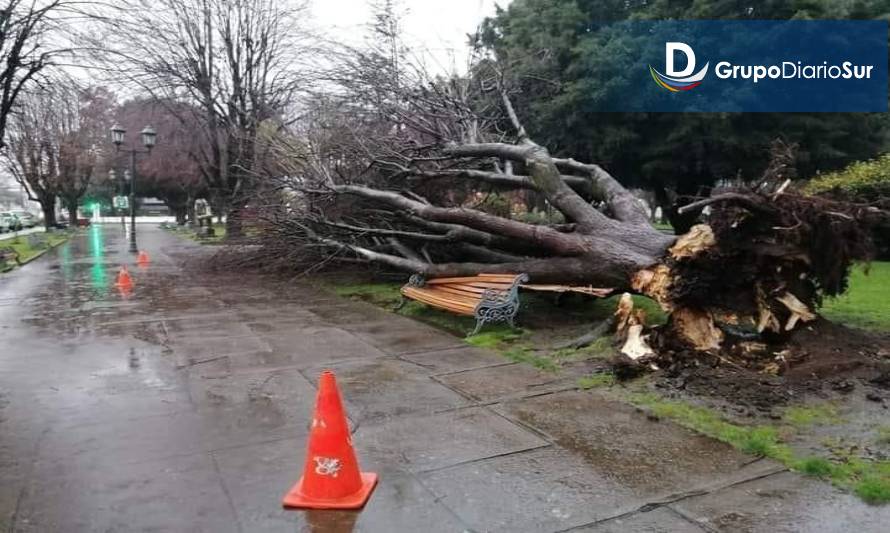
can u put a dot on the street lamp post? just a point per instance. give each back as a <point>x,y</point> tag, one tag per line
<point>149,137</point>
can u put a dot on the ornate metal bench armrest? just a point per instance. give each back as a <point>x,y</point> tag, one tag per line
<point>499,306</point>
<point>495,297</point>
<point>416,280</point>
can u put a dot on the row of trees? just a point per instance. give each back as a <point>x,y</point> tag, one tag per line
<point>218,75</point>
<point>229,71</point>
<point>57,148</point>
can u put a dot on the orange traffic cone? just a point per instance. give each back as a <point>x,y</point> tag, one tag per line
<point>142,259</point>
<point>125,291</point>
<point>331,478</point>
<point>123,278</point>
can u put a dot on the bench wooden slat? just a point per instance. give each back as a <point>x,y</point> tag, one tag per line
<point>459,291</point>
<point>507,277</point>
<point>446,281</point>
<point>438,293</point>
<point>443,296</point>
<point>476,282</point>
<point>430,298</point>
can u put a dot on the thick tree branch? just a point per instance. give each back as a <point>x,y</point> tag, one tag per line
<point>605,188</point>
<point>511,181</point>
<point>559,243</point>
<point>545,176</point>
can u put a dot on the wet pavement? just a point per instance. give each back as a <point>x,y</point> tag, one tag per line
<point>183,406</point>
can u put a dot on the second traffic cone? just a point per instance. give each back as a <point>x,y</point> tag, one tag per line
<point>123,278</point>
<point>331,478</point>
<point>142,259</point>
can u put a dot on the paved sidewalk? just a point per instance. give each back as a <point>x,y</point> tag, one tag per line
<point>184,407</point>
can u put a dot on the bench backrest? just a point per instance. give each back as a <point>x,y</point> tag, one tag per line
<point>476,286</point>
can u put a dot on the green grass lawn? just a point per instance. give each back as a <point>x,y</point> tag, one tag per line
<point>219,233</point>
<point>866,304</point>
<point>27,252</point>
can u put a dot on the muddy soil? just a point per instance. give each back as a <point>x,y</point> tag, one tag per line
<point>822,360</point>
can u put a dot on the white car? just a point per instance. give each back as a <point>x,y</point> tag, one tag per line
<point>27,219</point>
<point>9,222</point>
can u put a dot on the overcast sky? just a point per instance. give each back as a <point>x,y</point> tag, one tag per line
<point>440,26</point>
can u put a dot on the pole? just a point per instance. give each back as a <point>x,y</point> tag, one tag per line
<point>120,194</point>
<point>133,247</point>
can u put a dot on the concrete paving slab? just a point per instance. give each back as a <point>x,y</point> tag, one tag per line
<point>258,476</point>
<point>784,503</point>
<point>129,441</point>
<point>419,443</point>
<point>388,388</point>
<point>284,325</point>
<point>398,336</point>
<point>455,359</point>
<point>225,324</point>
<point>18,450</point>
<point>190,352</point>
<point>273,311</point>
<point>550,489</point>
<point>341,312</point>
<point>252,406</point>
<point>655,460</point>
<point>507,381</point>
<point>659,520</point>
<point>174,494</point>
<point>311,346</point>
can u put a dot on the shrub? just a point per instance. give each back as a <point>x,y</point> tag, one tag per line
<point>864,181</point>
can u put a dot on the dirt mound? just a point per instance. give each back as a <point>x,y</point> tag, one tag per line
<point>821,359</point>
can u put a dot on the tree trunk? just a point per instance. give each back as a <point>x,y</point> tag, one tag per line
<point>48,206</point>
<point>190,210</point>
<point>71,206</point>
<point>234,222</point>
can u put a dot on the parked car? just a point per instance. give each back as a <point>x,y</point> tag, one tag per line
<point>27,219</point>
<point>10,221</point>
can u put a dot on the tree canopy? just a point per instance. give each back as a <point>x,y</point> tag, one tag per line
<point>560,58</point>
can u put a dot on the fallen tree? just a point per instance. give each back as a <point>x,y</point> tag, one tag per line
<point>401,176</point>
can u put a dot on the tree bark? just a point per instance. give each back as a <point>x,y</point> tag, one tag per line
<point>234,222</point>
<point>71,206</point>
<point>48,206</point>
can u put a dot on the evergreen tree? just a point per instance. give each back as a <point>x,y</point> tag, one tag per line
<point>563,60</point>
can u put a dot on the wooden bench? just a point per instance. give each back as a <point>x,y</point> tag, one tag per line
<point>486,297</point>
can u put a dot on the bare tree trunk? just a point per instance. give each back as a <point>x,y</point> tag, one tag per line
<point>190,210</point>
<point>71,206</point>
<point>234,222</point>
<point>48,206</point>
